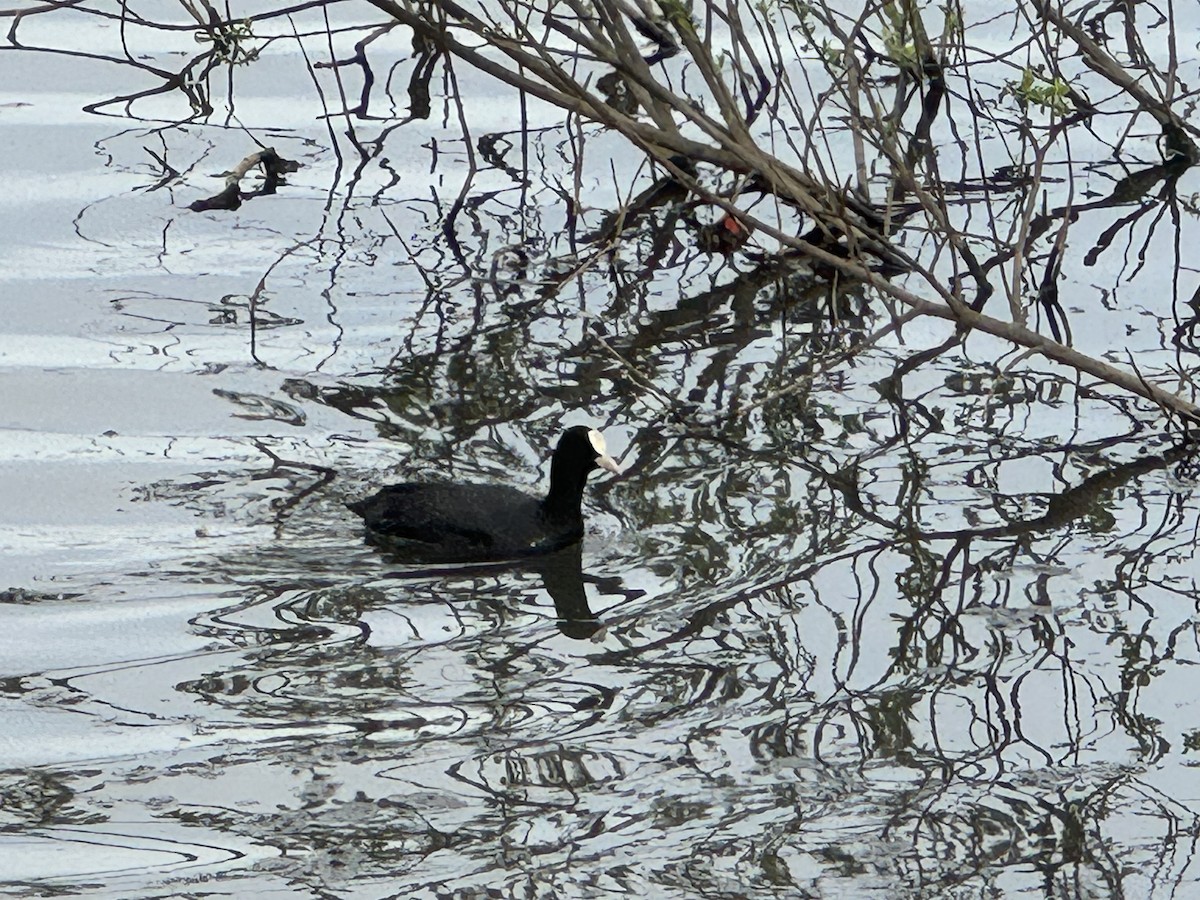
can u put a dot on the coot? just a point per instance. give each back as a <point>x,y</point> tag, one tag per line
<point>487,521</point>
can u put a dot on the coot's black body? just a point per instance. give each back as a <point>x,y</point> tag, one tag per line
<point>486,521</point>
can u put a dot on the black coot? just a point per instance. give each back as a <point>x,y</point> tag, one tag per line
<point>487,521</point>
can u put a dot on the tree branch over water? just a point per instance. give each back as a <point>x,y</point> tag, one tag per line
<point>873,65</point>
<point>828,134</point>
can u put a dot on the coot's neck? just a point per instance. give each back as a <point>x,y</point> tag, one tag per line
<point>567,481</point>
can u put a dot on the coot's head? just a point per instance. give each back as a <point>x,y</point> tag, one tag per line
<point>580,450</point>
<point>584,448</point>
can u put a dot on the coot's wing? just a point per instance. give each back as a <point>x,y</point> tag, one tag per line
<point>471,517</point>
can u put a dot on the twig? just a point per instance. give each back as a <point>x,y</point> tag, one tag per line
<point>274,166</point>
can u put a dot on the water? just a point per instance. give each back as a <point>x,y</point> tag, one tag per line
<point>815,643</point>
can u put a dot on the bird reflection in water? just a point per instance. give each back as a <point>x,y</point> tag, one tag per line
<point>561,574</point>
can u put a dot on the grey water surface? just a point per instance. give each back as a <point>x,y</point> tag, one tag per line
<point>815,643</point>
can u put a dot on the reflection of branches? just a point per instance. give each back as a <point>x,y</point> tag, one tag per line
<point>848,550</point>
<point>284,506</point>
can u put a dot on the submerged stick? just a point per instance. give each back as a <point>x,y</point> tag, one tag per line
<point>274,167</point>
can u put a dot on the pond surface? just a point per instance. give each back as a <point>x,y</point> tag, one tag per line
<point>818,640</point>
